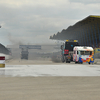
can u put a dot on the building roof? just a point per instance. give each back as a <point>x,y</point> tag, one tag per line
<point>3,49</point>
<point>70,30</point>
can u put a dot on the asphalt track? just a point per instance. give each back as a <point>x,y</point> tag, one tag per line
<point>50,82</point>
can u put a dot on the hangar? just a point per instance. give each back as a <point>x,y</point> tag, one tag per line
<point>86,31</point>
<point>3,49</point>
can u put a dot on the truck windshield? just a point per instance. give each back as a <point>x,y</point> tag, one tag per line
<point>86,52</point>
<point>70,45</point>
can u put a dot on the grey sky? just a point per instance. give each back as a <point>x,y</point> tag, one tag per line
<point>33,21</point>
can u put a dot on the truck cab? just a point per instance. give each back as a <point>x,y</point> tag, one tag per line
<point>24,53</point>
<point>67,50</point>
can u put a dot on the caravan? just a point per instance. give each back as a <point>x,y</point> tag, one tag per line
<point>83,54</point>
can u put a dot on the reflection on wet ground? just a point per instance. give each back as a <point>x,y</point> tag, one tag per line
<point>20,70</point>
<point>50,70</point>
<point>2,72</point>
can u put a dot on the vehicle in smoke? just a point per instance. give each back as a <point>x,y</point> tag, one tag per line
<point>67,50</point>
<point>25,48</point>
<point>24,53</point>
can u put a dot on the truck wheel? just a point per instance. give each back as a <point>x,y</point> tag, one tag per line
<point>89,63</point>
<point>76,62</point>
<point>81,62</point>
<point>63,60</point>
<point>66,61</point>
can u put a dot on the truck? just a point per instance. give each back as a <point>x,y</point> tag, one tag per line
<point>67,50</point>
<point>24,53</point>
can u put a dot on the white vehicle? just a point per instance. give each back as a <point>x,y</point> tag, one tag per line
<point>6,56</point>
<point>83,54</point>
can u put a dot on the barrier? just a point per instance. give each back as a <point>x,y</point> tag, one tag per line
<point>2,61</point>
